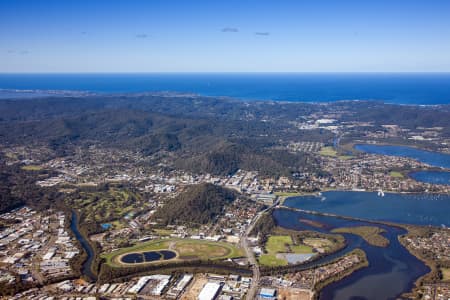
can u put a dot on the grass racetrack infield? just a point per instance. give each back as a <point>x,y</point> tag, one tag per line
<point>186,249</point>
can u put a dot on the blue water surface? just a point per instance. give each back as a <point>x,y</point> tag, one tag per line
<point>392,264</point>
<point>436,159</point>
<point>418,209</point>
<point>406,88</point>
<point>435,177</point>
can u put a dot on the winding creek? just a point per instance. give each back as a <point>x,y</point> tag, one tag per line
<point>86,267</point>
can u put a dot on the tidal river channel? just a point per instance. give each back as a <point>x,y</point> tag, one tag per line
<point>391,271</point>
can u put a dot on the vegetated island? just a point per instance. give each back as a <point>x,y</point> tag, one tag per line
<point>371,234</point>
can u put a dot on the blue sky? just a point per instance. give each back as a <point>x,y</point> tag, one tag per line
<point>225,36</point>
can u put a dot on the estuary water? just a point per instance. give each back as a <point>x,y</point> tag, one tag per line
<point>391,271</point>
<point>435,177</point>
<point>418,209</point>
<point>393,264</point>
<point>436,159</point>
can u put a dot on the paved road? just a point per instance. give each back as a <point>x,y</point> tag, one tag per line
<point>251,294</point>
<point>252,260</point>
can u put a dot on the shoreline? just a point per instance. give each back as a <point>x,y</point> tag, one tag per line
<point>318,287</point>
<point>429,263</point>
<point>407,227</point>
<point>54,92</point>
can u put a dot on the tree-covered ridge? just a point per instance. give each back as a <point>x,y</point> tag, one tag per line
<point>199,134</point>
<point>198,204</point>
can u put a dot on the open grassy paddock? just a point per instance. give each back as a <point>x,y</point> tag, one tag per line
<point>445,274</point>
<point>163,232</point>
<point>328,151</point>
<point>31,168</point>
<point>281,244</point>
<point>288,194</point>
<point>186,249</point>
<point>331,152</point>
<point>318,243</point>
<point>396,174</point>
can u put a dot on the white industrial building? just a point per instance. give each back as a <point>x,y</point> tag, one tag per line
<point>210,291</point>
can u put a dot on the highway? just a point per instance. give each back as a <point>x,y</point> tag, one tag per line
<point>251,294</point>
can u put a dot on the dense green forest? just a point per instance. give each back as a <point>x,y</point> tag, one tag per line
<point>7,200</point>
<point>204,134</point>
<point>198,204</point>
<point>217,136</point>
<point>17,188</point>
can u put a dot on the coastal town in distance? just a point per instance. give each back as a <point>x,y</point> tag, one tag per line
<point>289,201</point>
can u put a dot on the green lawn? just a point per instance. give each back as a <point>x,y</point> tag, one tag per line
<point>445,274</point>
<point>277,243</point>
<point>31,168</point>
<point>301,249</point>
<point>163,232</point>
<point>344,157</point>
<point>396,174</point>
<point>288,194</point>
<point>270,260</point>
<point>328,151</point>
<point>280,244</point>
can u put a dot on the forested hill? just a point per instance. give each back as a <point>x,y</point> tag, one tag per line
<point>17,188</point>
<point>198,204</point>
<point>217,136</point>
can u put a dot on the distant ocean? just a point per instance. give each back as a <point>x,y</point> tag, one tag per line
<point>402,88</point>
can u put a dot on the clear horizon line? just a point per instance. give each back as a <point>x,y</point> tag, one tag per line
<point>227,72</point>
